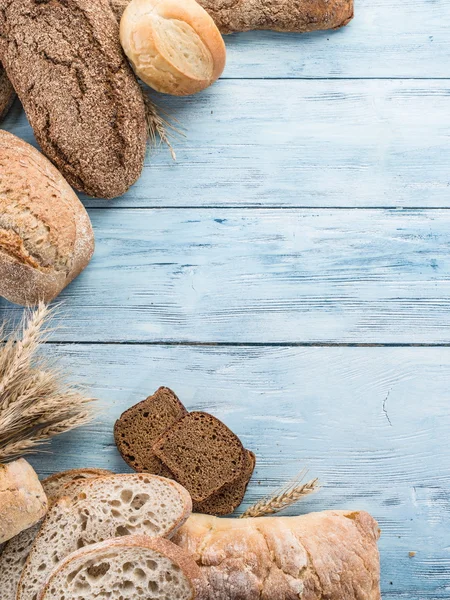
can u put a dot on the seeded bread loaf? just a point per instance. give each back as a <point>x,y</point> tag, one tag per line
<point>202,453</point>
<point>331,555</point>
<point>46,237</point>
<point>105,508</point>
<point>7,93</point>
<point>22,499</point>
<point>141,425</point>
<point>228,498</point>
<point>280,15</point>
<point>129,567</point>
<point>84,103</point>
<point>15,554</point>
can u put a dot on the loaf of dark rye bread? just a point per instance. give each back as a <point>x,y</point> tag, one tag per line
<point>85,105</point>
<point>279,15</point>
<point>7,93</point>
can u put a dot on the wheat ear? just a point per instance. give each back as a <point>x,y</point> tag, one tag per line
<point>36,401</point>
<point>160,124</point>
<point>284,497</point>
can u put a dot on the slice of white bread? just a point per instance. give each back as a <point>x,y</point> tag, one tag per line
<point>124,569</point>
<point>105,508</point>
<point>16,551</point>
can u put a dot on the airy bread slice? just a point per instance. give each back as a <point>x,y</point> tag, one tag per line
<point>15,554</point>
<point>105,508</point>
<point>125,568</point>
<point>227,499</point>
<point>202,453</point>
<point>141,425</point>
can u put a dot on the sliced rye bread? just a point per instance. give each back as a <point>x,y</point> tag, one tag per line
<point>105,508</point>
<point>7,93</point>
<point>202,453</point>
<point>13,559</point>
<point>132,566</point>
<point>140,426</point>
<point>227,499</point>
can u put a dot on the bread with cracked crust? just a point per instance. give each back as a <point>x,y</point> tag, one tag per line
<point>330,554</point>
<point>46,237</point>
<point>7,93</point>
<point>80,95</point>
<point>279,15</point>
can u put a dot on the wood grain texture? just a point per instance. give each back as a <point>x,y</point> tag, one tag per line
<point>372,423</point>
<point>318,143</point>
<point>263,276</point>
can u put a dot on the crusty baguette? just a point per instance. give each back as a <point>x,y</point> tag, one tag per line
<point>330,555</point>
<point>46,237</point>
<point>87,111</point>
<point>7,93</point>
<point>16,551</point>
<point>132,566</point>
<point>22,499</point>
<point>280,15</point>
<point>105,508</point>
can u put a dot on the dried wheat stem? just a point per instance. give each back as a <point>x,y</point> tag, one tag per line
<point>283,497</point>
<point>36,402</point>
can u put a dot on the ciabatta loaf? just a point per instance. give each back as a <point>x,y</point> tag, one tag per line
<point>131,567</point>
<point>22,499</point>
<point>330,555</point>
<point>105,508</point>
<point>15,553</point>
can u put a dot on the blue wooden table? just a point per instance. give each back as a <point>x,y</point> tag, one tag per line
<point>291,274</point>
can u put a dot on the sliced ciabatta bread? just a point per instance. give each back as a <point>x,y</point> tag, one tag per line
<point>16,551</point>
<point>126,568</point>
<point>105,508</point>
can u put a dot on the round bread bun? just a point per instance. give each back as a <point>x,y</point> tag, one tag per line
<point>174,46</point>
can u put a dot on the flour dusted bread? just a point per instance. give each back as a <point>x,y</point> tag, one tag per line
<point>86,108</point>
<point>280,15</point>
<point>7,93</point>
<point>15,553</point>
<point>332,555</point>
<point>46,237</point>
<point>174,46</point>
<point>125,568</point>
<point>105,508</point>
<point>22,499</point>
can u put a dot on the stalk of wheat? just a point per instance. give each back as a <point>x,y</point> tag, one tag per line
<point>36,401</point>
<point>283,497</point>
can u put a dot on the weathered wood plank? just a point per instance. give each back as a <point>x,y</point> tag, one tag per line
<point>263,276</point>
<point>372,423</point>
<point>300,143</point>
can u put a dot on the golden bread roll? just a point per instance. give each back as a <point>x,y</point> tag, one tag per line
<point>174,46</point>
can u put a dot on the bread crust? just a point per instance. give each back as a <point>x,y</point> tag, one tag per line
<point>279,15</point>
<point>146,29</point>
<point>22,499</point>
<point>86,108</point>
<point>187,565</point>
<point>46,237</point>
<point>332,554</point>
<point>7,93</point>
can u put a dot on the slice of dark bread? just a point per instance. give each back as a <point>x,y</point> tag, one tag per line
<point>202,453</point>
<point>142,425</point>
<point>226,500</point>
